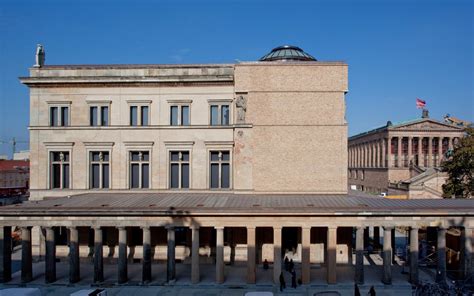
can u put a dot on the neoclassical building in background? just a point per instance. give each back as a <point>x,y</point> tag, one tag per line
<point>215,165</point>
<point>402,159</point>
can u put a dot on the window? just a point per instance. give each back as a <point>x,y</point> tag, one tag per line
<point>99,115</point>
<point>220,114</point>
<point>179,115</point>
<point>58,116</point>
<point>219,169</point>
<point>59,170</point>
<point>139,115</point>
<point>99,169</point>
<point>179,169</point>
<point>139,169</point>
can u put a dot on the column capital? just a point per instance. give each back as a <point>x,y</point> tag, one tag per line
<point>145,227</point>
<point>121,228</point>
<point>96,228</point>
<point>169,227</point>
<point>277,227</point>
<point>332,227</point>
<point>360,227</point>
<point>388,228</point>
<point>194,227</point>
<point>251,227</point>
<point>414,227</point>
<point>219,227</point>
<point>72,227</point>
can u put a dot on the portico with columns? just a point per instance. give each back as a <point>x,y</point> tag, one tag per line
<point>397,152</point>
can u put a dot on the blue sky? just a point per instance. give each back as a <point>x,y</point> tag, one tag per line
<point>396,50</point>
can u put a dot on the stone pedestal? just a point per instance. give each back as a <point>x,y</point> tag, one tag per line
<point>50,262</point>
<point>26,256</point>
<point>359,268</point>
<point>74,264</point>
<point>387,256</point>
<point>98,256</point>
<point>146,263</point>
<point>251,251</point>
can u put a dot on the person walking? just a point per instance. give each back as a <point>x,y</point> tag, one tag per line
<point>291,266</point>
<point>293,279</point>
<point>372,291</point>
<point>282,282</point>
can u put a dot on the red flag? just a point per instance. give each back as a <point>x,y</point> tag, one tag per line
<point>420,104</point>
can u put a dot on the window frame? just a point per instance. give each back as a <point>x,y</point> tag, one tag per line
<point>99,105</point>
<point>139,104</point>
<point>179,104</point>
<point>59,105</point>
<point>61,170</point>
<point>219,162</point>
<point>219,146</point>
<point>219,103</point>
<point>180,163</point>
<point>140,163</point>
<point>101,163</point>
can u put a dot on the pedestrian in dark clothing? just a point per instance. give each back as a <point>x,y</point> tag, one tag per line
<point>286,263</point>
<point>356,291</point>
<point>282,282</point>
<point>291,266</point>
<point>293,279</point>
<point>372,291</point>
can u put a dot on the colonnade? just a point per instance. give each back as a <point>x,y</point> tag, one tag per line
<point>122,271</point>
<point>378,153</point>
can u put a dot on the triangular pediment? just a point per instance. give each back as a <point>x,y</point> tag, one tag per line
<point>426,124</point>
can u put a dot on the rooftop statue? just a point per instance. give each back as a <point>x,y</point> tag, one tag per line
<point>40,56</point>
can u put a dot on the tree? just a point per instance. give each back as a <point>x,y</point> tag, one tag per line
<point>460,168</point>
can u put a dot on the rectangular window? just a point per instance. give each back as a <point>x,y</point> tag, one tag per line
<point>104,115</point>
<point>99,169</point>
<point>139,115</point>
<point>58,116</point>
<point>99,116</point>
<point>94,116</point>
<point>144,120</point>
<point>179,115</point>
<point>133,115</point>
<point>219,169</point>
<point>139,169</point>
<point>220,114</point>
<point>179,169</point>
<point>59,170</point>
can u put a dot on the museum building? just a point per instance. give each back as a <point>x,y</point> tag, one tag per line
<point>204,164</point>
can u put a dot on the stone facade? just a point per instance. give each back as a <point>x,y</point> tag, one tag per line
<point>382,159</point>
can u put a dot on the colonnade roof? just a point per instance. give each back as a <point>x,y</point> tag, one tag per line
<point>218,204</point>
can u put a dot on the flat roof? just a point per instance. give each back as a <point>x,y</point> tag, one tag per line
<point>217,204</point>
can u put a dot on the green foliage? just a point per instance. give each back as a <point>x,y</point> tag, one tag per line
<point>460,169</point>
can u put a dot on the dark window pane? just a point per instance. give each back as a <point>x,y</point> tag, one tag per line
<point>95,178</point>
<point>93,116</point>
<point>174,178</point>
<point>135,156</point>
<point>95,156</point>
<point>174,156</point>
<point>134,176</point>
<point>56,176</point>
<point>185,115</point>
<point>105,155</point>
<point>225,115</point>
<point>214,156</point>
<point>145,176</point>
<point>66,156</point>
<point>214,176</point>
<point>55,156</point>
<point>53,116</point>
<point>105,176</point>
<point>225,177</point>
<point>104,116</point>
<point>185,156</point>
<point>214,114</point>
<point>64,116</point>
<point>226,155</point>
<point>144,115</point>
<point>133,115</point>
<point>174,115</point>
<point>185,176</point>
<point>145,156</point>
<point>66,176</point>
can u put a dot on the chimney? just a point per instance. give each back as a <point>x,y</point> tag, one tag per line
<point>425,114</point>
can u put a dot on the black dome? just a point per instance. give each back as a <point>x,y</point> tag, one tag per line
<point>287,53</point>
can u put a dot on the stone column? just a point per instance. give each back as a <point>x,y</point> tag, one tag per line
<point>450,143</point>
<point>421,158</point>
<point>466,254</point>
<point>387,255</point>
<point>122,276</point>
<point>430,152</point>
<point>219,255</point>
<point>276,254</point>
<point>359,268</point>
<point>26,256</point>
<point>331,251</point>
<point>251,252</point>
<point>98,256</point>
<point>376,237</point>
<point>305,255</point>
<point>389,153</point>
<point>441,250</point>
<point>399,152</point>
<point>379,150</point>
<point>5,254</point>
<point>146,262</point>
<point>50,260</point>
<point>440,150</point>
<point>171,258</point>
<point>371,154</point>
<point>195,276</point>
<point>414,255</point>
<point>384,153</point>
<point>74,263</point>
<point>410,148</point>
